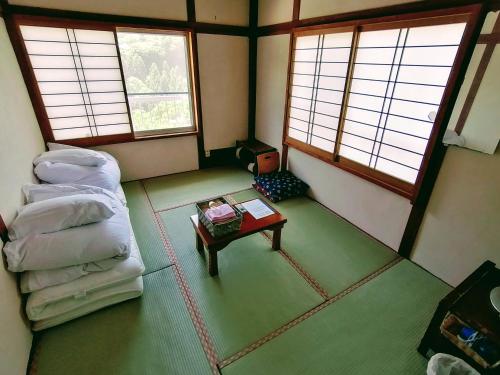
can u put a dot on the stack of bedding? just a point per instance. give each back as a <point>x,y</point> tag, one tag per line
<point>73,240</point>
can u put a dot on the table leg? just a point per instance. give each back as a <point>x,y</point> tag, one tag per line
<point>199,244</point>
<point>213,268</point>
<point>277,239</point>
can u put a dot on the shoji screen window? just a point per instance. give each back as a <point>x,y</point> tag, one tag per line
<point>397,85</point>
<point>317,87</point>
<point>366,99</point>
<point>79,79</point>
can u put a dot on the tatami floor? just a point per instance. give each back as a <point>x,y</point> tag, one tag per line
<point>333,301</point>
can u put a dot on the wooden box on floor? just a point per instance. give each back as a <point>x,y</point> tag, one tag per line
<point>468,305</point>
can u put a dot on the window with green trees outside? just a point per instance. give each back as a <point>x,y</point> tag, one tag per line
<point>156,69</point>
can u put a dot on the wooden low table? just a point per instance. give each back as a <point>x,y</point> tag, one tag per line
<point>249,225</point>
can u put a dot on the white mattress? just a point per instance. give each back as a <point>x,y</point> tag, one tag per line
<point>83,293</point>
<point>121,195</point>
<point>95,301</point>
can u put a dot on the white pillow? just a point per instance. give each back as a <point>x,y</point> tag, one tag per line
<point>40,192</point>
<point>106,176</point>
<point>107,239</point>
<point>77,156</point>
<point>60,213</point>
<point>59,146</point>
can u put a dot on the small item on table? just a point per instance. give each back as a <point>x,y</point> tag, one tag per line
<point>219,214</point>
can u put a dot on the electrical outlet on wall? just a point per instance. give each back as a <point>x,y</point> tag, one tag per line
<point>207,153</point>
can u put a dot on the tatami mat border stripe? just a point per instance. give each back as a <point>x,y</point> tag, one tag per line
<point>194,312</point>
<point>308,314</point>
<point>312,282</point>
<point>185,203</point>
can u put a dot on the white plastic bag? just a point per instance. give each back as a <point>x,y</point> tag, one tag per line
<point>445,364</point>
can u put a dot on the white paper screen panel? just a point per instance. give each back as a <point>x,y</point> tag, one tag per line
<point>79,78</point>
<point>398,80</point>
<point>318,79</point>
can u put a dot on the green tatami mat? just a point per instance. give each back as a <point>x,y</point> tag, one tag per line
<point>256,290</point>
<point>188,187</point>
<point>146,233</point>
<point>153,335</point>
<point>373,330</point>
<point>333,251</point>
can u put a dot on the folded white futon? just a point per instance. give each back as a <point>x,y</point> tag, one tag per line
<point>60,303</point>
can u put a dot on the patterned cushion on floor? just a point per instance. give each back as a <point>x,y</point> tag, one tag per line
<point>279,186</point>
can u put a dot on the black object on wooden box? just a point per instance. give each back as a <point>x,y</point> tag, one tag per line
<point>247,153</point>
<point>468,305</point>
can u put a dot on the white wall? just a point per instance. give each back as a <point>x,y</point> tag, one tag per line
<point>168,9</point>
<point>376,210</point>
<point>153,158</point>
<point>481,130</point>
<point>271,88</point>
<point>224,89</point>
<point>317,8</point>
<point>234,12</point>
<point>461,226</point>
<point>20,142</point>
<point>275,11</point>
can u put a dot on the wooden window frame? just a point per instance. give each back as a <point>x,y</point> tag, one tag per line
<point>18,20</point>
<point>468,14</point>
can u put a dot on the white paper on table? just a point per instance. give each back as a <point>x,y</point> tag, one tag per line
<point>257,208</point>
